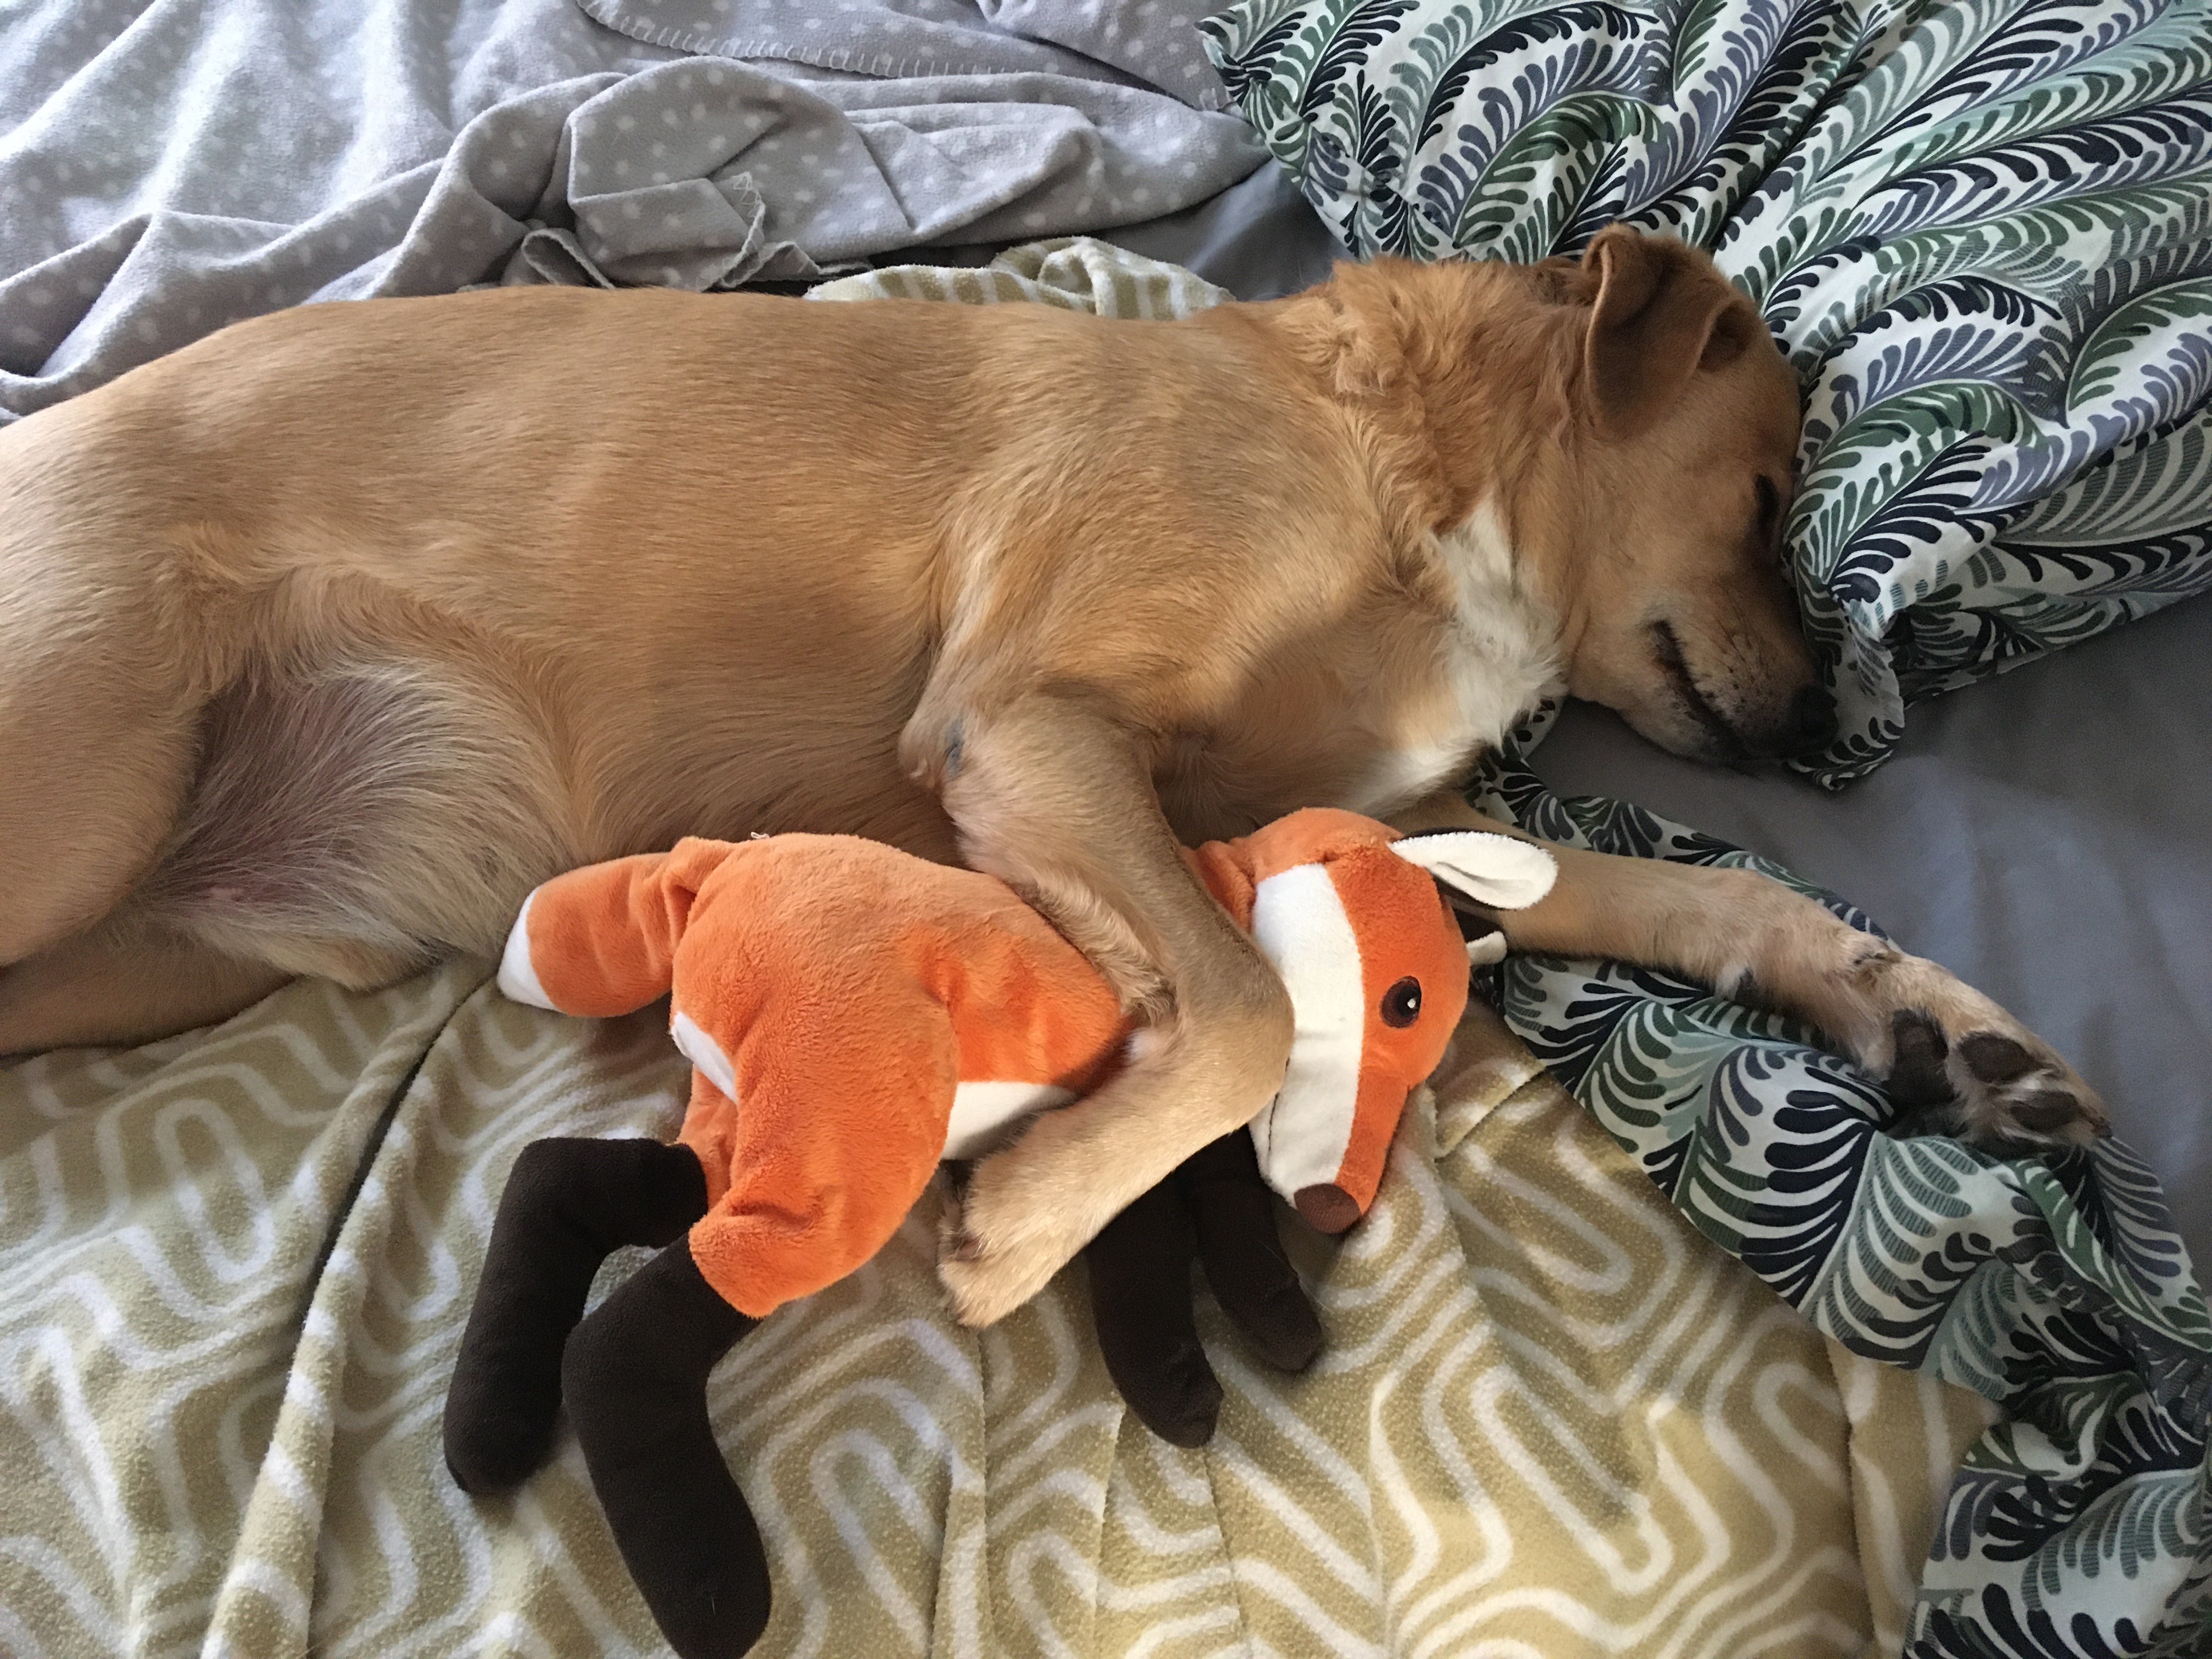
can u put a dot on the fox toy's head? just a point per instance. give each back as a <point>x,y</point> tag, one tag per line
<point>1362,924</point>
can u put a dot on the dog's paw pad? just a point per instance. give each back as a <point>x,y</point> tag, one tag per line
<point>2047,1111</point>
<point>1918,1074</point>
<point>2018,1096</point>
<point>1996,1091</point>
<point>1995,1059</point>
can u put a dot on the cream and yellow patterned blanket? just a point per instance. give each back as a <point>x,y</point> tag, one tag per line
<point>1553,1420</point>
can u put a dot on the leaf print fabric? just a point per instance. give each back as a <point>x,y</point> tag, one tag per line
<point>2080,1526</point>
<point>1981,230</point>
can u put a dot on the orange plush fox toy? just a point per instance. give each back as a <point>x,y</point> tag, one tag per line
<point>854,1015</point>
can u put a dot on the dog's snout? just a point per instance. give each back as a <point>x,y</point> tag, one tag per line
<point>1805,725</point>
<point>1811,723</point>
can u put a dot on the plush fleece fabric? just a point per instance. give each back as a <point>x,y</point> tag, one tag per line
<point>855,1014</point>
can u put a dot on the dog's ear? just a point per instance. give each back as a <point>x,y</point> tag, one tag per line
<point>1662,313</point>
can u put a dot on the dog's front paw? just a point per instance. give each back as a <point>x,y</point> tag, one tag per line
<point>998,1243</point>
<point>1960,1065</point>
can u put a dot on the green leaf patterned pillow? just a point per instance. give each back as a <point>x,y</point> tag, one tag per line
<point>1982,229</point>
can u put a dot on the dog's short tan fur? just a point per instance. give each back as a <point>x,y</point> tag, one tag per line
<point>324,640</point>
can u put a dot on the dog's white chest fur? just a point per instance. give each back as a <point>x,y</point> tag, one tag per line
<point>1500,657</point>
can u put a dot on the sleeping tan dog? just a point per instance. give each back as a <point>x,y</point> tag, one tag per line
<point>325,640</point>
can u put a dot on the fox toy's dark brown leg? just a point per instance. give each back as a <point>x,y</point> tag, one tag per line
<point>635,1377</point>
<point>1140,1306</point>
<point>1215,1209</point>
<point>568,1204</point>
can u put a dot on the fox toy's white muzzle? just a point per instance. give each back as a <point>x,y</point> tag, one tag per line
<point>1300,925</point>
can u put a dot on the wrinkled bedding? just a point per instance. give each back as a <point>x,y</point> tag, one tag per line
<point>2044,837</point>
<point>2055,1289</point>
<point>167,167</point>
<point>234,1269</point>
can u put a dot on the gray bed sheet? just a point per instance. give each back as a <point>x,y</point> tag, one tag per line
<point>2043,835</point>
<point>1258,238</point>
<point>169,165</point>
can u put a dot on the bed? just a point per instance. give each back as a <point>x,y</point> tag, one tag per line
<point>1560,1414</point>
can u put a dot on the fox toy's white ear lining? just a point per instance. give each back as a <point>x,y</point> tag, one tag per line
<point>1490,869</point>
<point>1488,951</point>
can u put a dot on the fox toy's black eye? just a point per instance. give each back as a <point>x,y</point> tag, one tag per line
<point>1401,1003</point>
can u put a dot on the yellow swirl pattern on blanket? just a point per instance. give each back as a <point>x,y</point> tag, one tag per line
<point>1553,1420</point>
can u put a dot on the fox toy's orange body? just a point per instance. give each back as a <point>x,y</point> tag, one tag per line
<point>855,1015</point>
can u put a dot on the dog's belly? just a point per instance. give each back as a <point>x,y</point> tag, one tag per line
<point>376,811</point>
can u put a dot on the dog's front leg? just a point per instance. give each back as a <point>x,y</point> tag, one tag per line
<point>1055,796</point>
<point>1955,1060</point>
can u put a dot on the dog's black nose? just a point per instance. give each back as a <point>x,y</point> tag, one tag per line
<point>1812,720</point>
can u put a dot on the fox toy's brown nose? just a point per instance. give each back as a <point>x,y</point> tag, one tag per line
<point>1327,1208</point>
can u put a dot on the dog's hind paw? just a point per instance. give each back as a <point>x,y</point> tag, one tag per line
<point>1988,1080</point>
<point>995,1250</point>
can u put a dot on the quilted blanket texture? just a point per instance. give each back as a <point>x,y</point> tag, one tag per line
<point>234,1269</point>
<point>167,167</point>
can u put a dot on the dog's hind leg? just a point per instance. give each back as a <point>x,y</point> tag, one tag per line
<point>92,777</point>
<point>108,649</point>
<point>121,984</point>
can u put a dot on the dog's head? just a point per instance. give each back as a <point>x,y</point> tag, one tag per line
<point>1657,526</point>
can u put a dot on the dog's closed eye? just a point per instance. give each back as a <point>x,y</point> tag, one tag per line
<point>1769,525</point>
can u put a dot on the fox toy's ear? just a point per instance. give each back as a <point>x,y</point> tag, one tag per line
<point>1478,926</point>
<point>1496,871</point>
